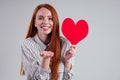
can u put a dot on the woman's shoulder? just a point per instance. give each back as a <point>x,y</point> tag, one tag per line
<point>64,41</point>
<point>27,41</point>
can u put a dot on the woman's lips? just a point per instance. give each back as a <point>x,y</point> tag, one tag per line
<point>45,27</point>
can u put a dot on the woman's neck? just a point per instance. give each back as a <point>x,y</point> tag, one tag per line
<point>44,38</point>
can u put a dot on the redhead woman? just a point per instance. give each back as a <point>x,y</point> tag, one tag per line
<point>45,54</point>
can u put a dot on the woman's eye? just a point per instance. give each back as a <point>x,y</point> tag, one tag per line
<point>50,18</point>
<point>40,18</point>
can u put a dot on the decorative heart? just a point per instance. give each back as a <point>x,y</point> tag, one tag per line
<point>74,33</point>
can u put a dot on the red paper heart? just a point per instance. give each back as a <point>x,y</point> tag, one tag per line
<point>74,33</point>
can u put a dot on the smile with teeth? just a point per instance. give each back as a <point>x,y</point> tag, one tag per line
<point>45,27</point>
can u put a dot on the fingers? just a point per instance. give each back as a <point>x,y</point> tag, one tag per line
<point>73,46</point>
<point>71,52</point>
<point>50,53</point>
<point>73,49</point>
<point>46,54</point>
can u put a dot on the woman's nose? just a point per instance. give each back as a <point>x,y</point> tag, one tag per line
<point>45,21</point>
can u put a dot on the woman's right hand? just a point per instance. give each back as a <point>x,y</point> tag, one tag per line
<point>46,54</point>
<point>46,59</point>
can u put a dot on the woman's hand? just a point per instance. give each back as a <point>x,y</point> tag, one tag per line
<point>69,54</point>
<point>46,54</point>
<point>46,59</point>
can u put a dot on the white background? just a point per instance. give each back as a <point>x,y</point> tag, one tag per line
<point>98,55</point>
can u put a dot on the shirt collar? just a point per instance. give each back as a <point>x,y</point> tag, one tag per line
<point>39,42</point>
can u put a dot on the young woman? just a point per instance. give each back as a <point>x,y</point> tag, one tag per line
<point>45,54</point>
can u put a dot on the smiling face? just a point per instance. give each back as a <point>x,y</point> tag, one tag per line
<point>44,21</point>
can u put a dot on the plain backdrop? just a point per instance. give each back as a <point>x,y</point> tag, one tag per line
<point>97,56</point>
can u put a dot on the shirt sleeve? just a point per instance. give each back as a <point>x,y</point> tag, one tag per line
<point>32,61</point>
<point>68,75</point>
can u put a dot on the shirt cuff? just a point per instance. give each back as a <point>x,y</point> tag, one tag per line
<point>69,74</point>
<point>41,74</point>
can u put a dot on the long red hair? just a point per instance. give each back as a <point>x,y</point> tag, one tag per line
<point>55,45</point>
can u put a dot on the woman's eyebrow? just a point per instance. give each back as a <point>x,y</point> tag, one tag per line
<point>40,16</point>
<point>49,16</point>
<point>43,16</point>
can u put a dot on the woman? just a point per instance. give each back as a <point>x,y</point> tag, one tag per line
<point>46,55</point>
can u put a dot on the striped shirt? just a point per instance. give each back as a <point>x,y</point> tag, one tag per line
<point>31,59</point>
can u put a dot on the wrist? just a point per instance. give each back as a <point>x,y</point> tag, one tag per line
<point>68,65</point>
<point>45,63</point>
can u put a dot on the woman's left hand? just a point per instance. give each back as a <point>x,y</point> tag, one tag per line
<point>70,53</point>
